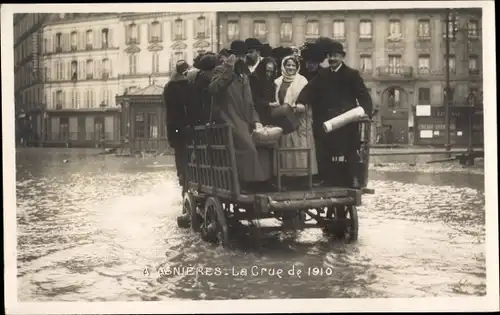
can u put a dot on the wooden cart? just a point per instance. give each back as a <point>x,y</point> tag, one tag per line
<point>214,201</point>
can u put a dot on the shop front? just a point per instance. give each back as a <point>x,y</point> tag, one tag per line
<point>466,126</point>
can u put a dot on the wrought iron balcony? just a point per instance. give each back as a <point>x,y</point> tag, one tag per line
<point>395,72</point>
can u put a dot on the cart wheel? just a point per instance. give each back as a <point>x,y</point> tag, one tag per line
<point>189,210</point>
<point>349,231</point>
<point>214,228</point>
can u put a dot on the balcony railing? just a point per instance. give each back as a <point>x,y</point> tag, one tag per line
<point>474,72</point>
<point>391,72</point>
<point>88,47</point>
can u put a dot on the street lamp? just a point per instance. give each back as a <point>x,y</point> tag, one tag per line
<point>450,18</point>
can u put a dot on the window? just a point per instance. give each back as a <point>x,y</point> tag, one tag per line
<point>451,64</point>
<point>394,97</point>
<point>59,99</point>
<point>259,29</point>
<point>73,99</point>
<point>105,38</point>
<point>394,28</point>
<point>59,69</point>
<point>472,28</point>
<point>152,126</point>
<point>74,41</point>
<point>156,62</point>
<point>452,28</point>
<point>132,64</point>
<point>58,43</point>
<point>424,96</point>
<point>74,70</point>
<point>339,29</point>
<point>365,63</point>
<point>90,98</point>
<point>105,68</point>
<point>365,29</point>
<point>395,64</point>
<point>201,27</point>
<point>139,125</point>
<point>312,29</point>
<point>64,128</point>
<point>107,98</point>
<point>178,29</point>
<point>46,73</point>
<point>155,31</point>
<point>104,98</point>
<point>473,69</point>
<point>473,98</point>
<point>90,69</point>
<point>133,34</point>
<point>424,29</point>
<point>89,40</point>
<point>286,31</point>
<point>424,64</point>
<point>233,30</point>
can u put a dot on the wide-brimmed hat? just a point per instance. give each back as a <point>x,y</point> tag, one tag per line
<point>266,50</point>
<point>238,47</point>
<point>253,43</point>
<point>327,45</point>
<point>281,52</point>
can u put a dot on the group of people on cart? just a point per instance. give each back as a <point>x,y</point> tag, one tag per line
<point>267,95</point>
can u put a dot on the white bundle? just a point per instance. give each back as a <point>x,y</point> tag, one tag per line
<point>341,120</point>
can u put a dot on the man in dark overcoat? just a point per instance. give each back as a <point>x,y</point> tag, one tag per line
<point>333,91</point>
<point>232,102</point>
<point>175,98</point>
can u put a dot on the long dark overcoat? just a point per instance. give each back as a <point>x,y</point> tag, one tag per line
<point>232,99</point>
<point>330,94</point>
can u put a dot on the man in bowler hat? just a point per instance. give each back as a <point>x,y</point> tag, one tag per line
<point>335,90</point>
<point>253,59</point>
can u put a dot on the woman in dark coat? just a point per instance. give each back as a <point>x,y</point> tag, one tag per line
<point>263,88</point>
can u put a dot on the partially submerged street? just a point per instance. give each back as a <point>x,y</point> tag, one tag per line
<point>103,228</point>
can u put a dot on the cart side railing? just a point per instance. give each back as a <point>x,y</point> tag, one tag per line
<point>212,160</point>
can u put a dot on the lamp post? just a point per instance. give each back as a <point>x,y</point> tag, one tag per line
<point>450,18</point>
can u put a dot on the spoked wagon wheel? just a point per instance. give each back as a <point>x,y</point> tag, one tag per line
<point>344,224</point>
<point>189,216</point>
<point>214,228</point>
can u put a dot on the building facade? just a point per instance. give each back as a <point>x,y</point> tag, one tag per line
<point>87,59</point>
<point>80,62</point>
<point>151,44</point>
<point>400,53</point>
<point>28,80</point>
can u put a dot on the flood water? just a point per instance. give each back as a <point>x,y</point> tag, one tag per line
<point>88,229</point>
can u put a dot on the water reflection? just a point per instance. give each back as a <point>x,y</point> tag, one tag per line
<point>88,229</point>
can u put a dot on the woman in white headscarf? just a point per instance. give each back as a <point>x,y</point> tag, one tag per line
<point>288,87</point>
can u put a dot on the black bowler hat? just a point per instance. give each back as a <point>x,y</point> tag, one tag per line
<point>328,45</point>
<point>253,43</point>
<point>238,47</point>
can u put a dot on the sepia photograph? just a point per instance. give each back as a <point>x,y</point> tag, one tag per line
<point>249,157</point>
